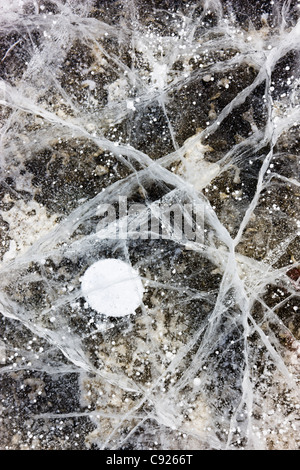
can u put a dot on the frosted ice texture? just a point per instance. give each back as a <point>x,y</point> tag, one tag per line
<point>163,102</point>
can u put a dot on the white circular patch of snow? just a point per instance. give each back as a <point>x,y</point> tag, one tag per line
<point>112,287</point>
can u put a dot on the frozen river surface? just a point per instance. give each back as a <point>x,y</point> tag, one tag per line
<point>149,224</point>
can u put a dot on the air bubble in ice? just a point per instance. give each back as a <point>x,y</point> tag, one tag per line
<point>112,287</point>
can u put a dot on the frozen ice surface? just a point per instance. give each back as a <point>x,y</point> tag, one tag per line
<point>153,103</point>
